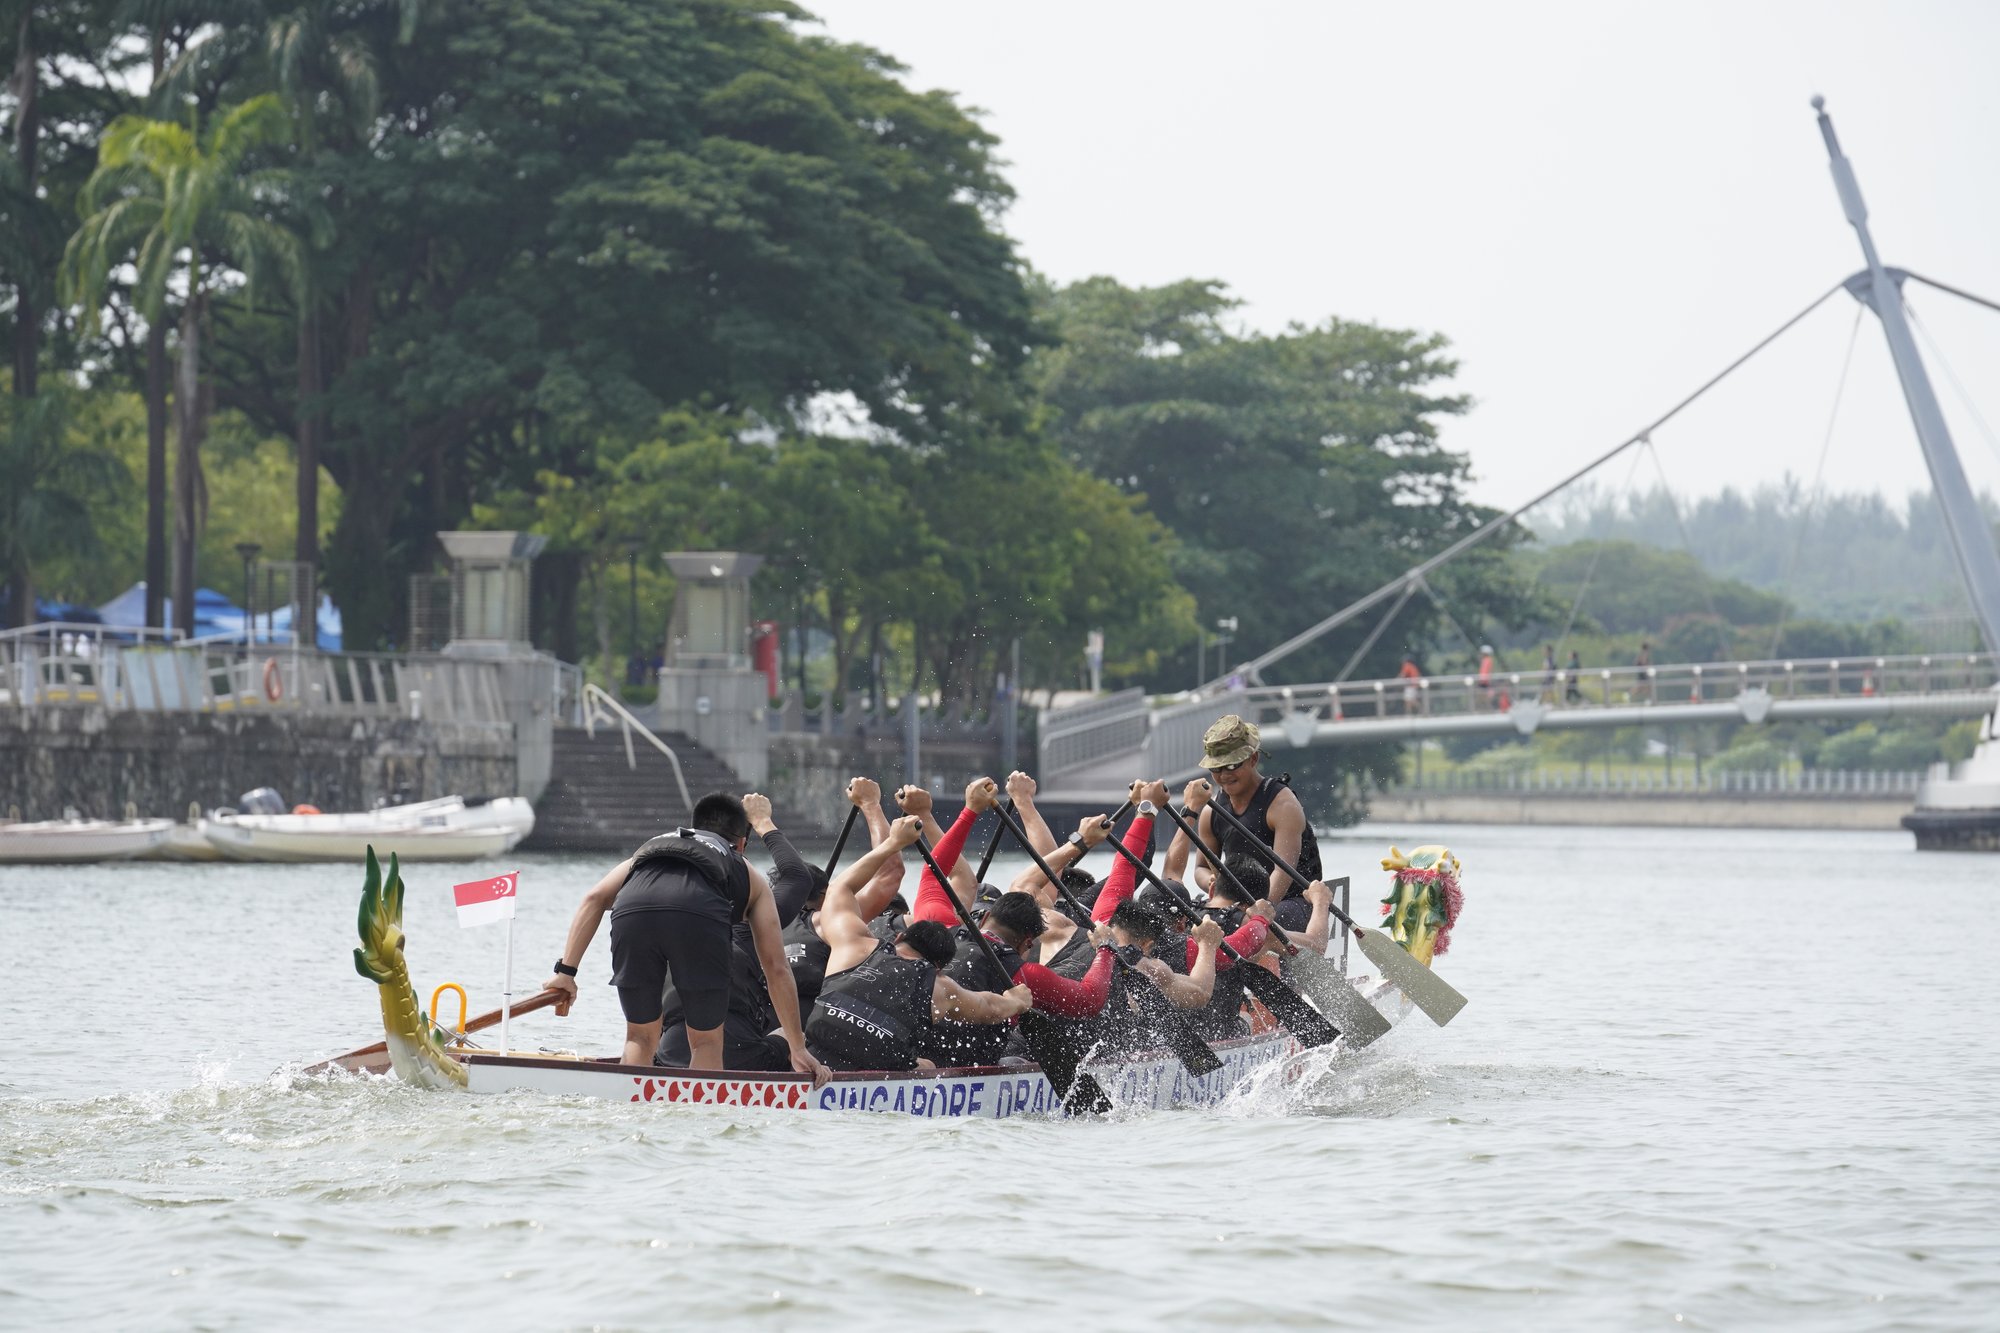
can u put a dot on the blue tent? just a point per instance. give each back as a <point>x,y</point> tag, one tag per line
<point>215,615</point>
<point>67,613</point>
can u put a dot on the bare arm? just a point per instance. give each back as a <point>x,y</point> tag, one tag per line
<point>1287,819</point>
<point>841,923</point>
<point>1320,928</point>
<point>769,938</point>
<point>1178,852</point>
<point>1095,829</point>
<point>1182,992</point>
<point>868,797</point>
<point>950,1000</point>
<point>1021,788</point>
<point>583,929</point>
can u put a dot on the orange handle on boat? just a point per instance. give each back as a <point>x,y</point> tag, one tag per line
<point>450,985</point>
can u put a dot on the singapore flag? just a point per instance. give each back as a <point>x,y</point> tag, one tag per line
<point>485,900</point>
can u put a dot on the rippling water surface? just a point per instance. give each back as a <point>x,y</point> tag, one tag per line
<point>1707,1079</point>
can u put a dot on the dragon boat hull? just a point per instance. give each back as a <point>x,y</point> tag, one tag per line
<point>1150,1081</point>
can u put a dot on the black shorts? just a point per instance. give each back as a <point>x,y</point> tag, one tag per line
<point>691,949</point>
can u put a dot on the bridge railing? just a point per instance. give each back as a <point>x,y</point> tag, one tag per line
<point>1814,782</point>
<point>1614,687</point>
<point>1170,733</point>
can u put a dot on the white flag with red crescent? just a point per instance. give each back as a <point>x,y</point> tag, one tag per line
<point>485,900</point>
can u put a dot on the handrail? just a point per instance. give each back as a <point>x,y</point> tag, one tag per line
<point>599,706</point>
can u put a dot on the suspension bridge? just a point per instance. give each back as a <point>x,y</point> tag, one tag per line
<point>1089,752</point>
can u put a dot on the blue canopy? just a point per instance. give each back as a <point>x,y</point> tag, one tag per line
<point>216,615</point>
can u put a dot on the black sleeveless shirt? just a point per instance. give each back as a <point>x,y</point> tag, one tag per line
<point>807,953</point>
<point>875,1015</point>
<point>687,871</point>
<point>1257,820</point>
<point>955,1043</point>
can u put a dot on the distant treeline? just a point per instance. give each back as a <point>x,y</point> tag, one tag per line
<point>1844,557</point>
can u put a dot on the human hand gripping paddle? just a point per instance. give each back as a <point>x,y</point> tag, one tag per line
<point>1300,1019</point>
<point>1425,988</point>
<point>1325,981</point>
<point>1186,1043</point>
<point>1078,1092</point>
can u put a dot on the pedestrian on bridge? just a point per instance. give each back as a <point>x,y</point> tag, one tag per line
<point>1410,674</point>
<point>1572,692</point>
<point>1549,673</point>
<point>1485,675</point>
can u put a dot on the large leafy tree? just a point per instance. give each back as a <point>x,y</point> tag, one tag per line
<point>1298,470</point>
<point>184,204</point>
<point>576,214</point>
<point>54,477</point>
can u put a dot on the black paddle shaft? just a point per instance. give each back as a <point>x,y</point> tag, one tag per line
<point>1077,1091</point>
<point>992,846</point>
<point>840,844</point>
<point>1220,804</point>
<point>1187,1044</point>
<point>1306,1022</point>
<point>1215,864</point>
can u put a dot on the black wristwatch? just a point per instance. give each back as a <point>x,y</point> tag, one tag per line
<point>564,969</point>
<point>1076,840</point>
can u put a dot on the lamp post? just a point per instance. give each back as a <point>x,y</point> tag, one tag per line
<point>1227,626</point>
<point>248,551</point>
<point>632,549</point>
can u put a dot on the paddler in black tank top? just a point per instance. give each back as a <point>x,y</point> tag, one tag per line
<point>1230,753</point>
<point>673,903</point>
<point>805,949</point>
<point>877,1005</point>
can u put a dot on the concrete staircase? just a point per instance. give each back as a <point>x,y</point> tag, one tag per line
<point>597,802</point>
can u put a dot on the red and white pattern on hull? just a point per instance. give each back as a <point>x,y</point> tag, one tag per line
<point>1145,1081</point>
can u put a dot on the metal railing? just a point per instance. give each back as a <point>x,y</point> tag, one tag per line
<point>51,667</point>
<point>1100,729</point>
<point>1713,781</point>
<point>600,707</point>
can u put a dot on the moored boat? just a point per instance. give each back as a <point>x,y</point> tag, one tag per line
<point>421,1052</point>
<point>449,829</point>
<point>76,841</point>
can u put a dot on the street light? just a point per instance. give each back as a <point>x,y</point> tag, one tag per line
<point>1227,626</point>
<point>249,551</point>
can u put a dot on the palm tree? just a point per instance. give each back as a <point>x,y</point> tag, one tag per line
<point>179,203</point>
<point>320,58</point>
<point>45,506</point>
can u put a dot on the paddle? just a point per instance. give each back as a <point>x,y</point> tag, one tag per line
<point>992,846</point>
<point>1046,1042</point>
<point>483,1021</point>
<point>840,844</point>
<point>1319,977</point>
<point>1185,1042</point>
<point>1306,1023</point>
<point>1425,988</point>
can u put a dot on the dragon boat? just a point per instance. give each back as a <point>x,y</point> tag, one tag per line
<point>419,1050</point>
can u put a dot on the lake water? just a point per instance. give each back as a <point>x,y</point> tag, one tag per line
<point>1707,1080</point>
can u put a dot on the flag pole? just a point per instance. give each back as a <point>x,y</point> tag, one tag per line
<point>507,995</point>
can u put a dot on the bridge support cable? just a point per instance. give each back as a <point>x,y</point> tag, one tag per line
<point>1960,293</point>
<point>1819,477</point>
<point>1255,665</point>
<point>1410,586</point>
<point>1680,522</point>
<point>1596,554</point>
<point>1951,375</point>
<point>1471,644</point>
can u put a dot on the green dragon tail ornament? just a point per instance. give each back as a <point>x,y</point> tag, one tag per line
<point>416,1045</point>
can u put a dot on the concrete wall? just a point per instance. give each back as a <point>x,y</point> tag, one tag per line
<point>808,775</point>
<point>97,761</point>
<point>1655,809</point>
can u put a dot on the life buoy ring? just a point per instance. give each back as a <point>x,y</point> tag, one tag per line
<point>274,687</point>
<point>307,810</point>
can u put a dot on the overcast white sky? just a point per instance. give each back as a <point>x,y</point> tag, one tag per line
<point>1599,204</point>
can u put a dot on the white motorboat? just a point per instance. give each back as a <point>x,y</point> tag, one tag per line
<point>449,829</point>
<point>73,841</point>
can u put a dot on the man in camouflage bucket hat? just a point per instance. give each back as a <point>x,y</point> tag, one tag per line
<point>1230,752</point>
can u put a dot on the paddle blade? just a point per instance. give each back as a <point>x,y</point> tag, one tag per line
<point>1086,1097</point>
<point>1300,1019</point>
<point>1321,979</point>
<point>1182,1040</point>
<point>1425,988</point>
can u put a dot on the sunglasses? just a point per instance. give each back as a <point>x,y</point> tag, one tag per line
<point>1229,768</point>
